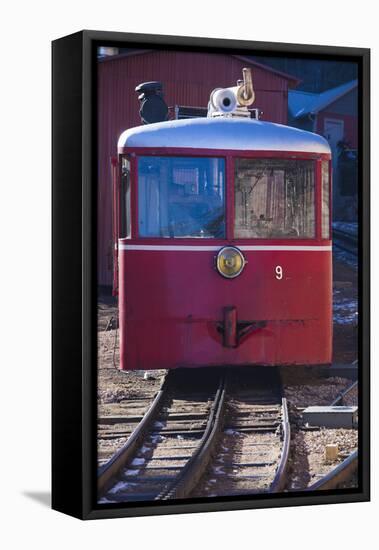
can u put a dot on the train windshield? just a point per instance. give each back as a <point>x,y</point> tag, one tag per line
<point>274,198</point>
<point>181,197</point>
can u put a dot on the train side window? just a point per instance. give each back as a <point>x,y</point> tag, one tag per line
<point>274,199</point>
<point>325,217</point>
<point>181,197</point>
<point>125,221</point>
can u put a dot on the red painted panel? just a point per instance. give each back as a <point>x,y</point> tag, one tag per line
<point>115,221</point>
<point>188,79</point>
<point>172,304</point>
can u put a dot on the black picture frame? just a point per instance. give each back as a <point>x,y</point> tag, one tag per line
<point>74,291</point>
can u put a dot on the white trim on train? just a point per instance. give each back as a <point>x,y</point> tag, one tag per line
<point>195,248</point>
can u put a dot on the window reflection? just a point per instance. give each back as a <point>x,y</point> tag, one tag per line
<point>181,197</point>
<point>325,228</point>
<point>274,199</point>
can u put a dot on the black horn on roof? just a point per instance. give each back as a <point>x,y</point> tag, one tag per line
<point>152,105</point>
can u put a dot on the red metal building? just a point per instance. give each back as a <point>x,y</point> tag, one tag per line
<point>187,78</point>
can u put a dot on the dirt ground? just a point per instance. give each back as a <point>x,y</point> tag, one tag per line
<point>117,390</point>
<point>315,390</point>
<point>114,385</point>
<point>308,464</point>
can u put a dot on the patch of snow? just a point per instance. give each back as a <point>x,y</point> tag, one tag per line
<point>232,432</point>
<point>131,472</point>
<point>351,228</point>
<point>104,500</point>
<point>345,257</point>
<point>345,310</point>
<point>138,461</point>
<point>139,373</point>
<point>118,487</point>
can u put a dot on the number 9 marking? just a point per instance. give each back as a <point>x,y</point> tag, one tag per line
<point>279,272</point>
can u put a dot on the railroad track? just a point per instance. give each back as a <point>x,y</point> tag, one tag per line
<point>254,444</point>
<point>169,449</point>
<point>339,475</point>
<point>345,241</point>
<point>340,398</point>
<point>116,423</point>
<point>343,472</point>
<point>204,428</point>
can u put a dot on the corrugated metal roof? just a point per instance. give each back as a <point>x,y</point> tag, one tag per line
<point>303,104</point>
<point>236,134</point>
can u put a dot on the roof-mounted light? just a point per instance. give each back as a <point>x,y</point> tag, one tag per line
<point>233,101</point>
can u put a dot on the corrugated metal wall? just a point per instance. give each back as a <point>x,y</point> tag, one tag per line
<point>188,79</point>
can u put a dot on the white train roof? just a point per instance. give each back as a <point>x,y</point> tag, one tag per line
<point>224,133</point>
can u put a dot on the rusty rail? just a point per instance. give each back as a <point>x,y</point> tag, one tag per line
<point>197,464</point>
<point>123,455</point>
<point>345,241</point>
<point>338,475</point>
<point>339,399</point>
<point>280,478</point>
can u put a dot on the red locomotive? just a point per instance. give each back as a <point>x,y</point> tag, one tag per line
<point>222,239</point>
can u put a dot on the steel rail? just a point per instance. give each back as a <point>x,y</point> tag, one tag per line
<point>344,235</point>
<point>190,475</point>
<point>346,249</point>
<point>280,478</point>
<point>345,469</point>
<point>123,455</point>
<point>339,399</point>
<point>345,242</point>
<point>338,475</point>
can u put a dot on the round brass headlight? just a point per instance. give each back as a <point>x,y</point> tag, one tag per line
<point>230,262</point>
